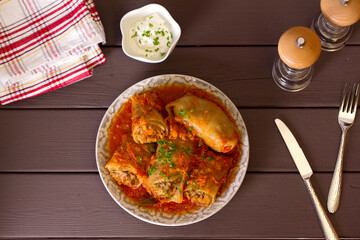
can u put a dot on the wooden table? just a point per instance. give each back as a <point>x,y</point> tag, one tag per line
<point>49,184</point>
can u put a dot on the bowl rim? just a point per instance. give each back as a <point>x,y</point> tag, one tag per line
<point>165,13</point>
<point>244,168</point>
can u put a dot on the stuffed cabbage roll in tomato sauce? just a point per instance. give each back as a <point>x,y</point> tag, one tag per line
<point>128,165</point>
<point>148,124</point>
<point>206,177</point>
<point>207,120</point>
<point>167,171</point>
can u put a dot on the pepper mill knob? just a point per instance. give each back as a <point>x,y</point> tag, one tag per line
<point>334,23</point>
<point>299,48</point>
<point>341,12</point>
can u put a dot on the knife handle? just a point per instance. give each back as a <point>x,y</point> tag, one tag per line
<point>325,223</point>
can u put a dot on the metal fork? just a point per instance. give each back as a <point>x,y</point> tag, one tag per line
<point>346,119</point>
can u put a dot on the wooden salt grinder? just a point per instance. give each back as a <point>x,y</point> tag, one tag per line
<point>334,24</point>
<point>299,48</point>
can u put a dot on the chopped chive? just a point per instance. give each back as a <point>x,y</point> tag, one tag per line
<point>157,49</point>
<point>139,159</point>
<point>162,54</point>
<point>200,144</point>
<point>150,25</point>
<point>190,129</point>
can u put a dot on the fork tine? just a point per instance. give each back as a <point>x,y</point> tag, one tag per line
<point>351,102</point>
<point>356,98</point>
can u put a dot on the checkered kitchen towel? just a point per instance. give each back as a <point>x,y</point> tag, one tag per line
<point>46,44</point>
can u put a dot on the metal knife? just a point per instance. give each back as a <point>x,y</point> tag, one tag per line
<point>305,171</point>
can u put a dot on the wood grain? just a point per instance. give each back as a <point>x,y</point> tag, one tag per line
<point>242,73</point>
<point>64,140</point>
<point>227,22</point>
<point>77,205</point>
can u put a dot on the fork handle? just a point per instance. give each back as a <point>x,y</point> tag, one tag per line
<point>335,186</point>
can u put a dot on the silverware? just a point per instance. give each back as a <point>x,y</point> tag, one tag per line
<point>305,171</point>
<point>346,119</point>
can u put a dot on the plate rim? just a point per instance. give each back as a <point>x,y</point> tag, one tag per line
<point>245,137</point>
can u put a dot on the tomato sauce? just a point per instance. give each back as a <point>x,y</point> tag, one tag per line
<point>122,123</point>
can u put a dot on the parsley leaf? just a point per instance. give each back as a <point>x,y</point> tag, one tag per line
<point>152,169</point>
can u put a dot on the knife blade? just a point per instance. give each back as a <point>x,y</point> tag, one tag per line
<point>295,150</point>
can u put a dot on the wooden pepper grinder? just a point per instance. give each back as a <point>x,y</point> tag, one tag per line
<point>299,48</point>
<point>333,24</point>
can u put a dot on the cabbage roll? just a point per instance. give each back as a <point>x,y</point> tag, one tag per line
<point>148,124</point>
<point>206,178</point>
<point>128,165</point>
<point>167,172</point>
<point>206,120</point>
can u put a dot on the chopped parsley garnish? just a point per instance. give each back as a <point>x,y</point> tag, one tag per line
<point>160,32</point>
<point>168,44</point>
<point>161,142</point>
<point>140,41</point>
<point>162,54</point>
<point>200,144</point>
<point>187,116</point>
<point>187,182</point>
<point>190,129</point>
<point>135,35</point>
<point>161,173</point>
<point>157,185</point>
<point>171,35</point>
<point>166,179</point>
<point>172,164</point>
<point>172,147</point>
<point>151,17</point>
<point>210,158</point>
<point>150,25</point>
<point>170,197</point>
<point>146,33</point>
<point>156,41</point>
<point>138,27</point>
<point>146,50</point>
<point>139,159</point>
<point>182,112</point>
<point>167,38</point>
<point>203,156</point>
<point>152,169</point>
<point>192,110</point>
<point>196,170</point>
<point>152,149</point>
<point>156,49</point>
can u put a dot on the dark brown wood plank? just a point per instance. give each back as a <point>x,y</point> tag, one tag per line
<point>227,22</point>
<point>243,73</point>
<point>77,205</point>
<point>64,140</point>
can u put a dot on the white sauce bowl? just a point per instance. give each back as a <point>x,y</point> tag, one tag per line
<point>131,18</point>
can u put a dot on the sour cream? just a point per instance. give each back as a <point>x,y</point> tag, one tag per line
<point>151,38</point>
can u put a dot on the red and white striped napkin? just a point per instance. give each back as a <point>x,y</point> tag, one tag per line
<point>46,44</point>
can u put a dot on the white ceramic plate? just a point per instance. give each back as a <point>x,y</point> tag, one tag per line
<point>160,218</point>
